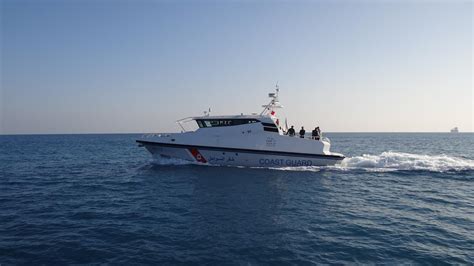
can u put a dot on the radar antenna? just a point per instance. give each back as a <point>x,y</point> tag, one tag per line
<point>207,113</point>
<point>274,102</point>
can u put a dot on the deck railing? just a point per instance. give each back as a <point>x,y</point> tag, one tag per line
<point>309,136</point>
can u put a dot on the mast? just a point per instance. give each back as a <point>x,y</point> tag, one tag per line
<point>274,102</point>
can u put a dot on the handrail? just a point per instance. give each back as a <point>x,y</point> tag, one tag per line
<point>307,136</point>
<point>186,118</point>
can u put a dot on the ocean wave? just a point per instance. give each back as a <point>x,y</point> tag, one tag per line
<point>161,160</point>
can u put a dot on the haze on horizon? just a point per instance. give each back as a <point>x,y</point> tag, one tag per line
<point>137,66</point>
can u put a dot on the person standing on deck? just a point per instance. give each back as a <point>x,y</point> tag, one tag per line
<point>302,132</point>
<point>291,132</point>
<point>315,134</point>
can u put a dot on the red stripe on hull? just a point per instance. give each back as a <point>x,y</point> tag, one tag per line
<point>197,155</point>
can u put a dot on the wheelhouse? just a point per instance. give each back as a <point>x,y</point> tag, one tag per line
<point>209,122</point>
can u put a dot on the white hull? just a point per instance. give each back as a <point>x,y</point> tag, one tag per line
<point>239,157</point>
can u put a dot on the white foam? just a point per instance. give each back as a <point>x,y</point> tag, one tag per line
<point>296,168</point>
<point>392,161</point>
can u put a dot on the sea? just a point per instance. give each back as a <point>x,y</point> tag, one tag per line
<point>398,198</point>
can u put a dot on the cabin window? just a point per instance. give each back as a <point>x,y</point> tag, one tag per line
<point>224,122</point>
<point>268,124</point>
<point>271,127</point>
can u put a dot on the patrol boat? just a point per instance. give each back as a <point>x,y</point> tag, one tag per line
<point>256,140</point>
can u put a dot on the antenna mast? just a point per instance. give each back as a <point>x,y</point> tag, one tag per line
<point>274,102</point>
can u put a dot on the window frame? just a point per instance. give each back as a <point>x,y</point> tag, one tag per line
<point>208,123</point>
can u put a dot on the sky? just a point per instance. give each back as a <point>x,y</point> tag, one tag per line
<point>107,66</point>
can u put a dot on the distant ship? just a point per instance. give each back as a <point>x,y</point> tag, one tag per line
<point>242,140</point>
<point>455,130</point>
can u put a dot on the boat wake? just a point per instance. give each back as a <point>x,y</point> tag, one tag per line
<point>398,161</point>
<point>408,161</point>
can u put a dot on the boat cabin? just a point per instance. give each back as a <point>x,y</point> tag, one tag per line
<point>205,122</point>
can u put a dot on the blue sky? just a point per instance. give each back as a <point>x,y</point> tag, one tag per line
<point>137,66</point>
